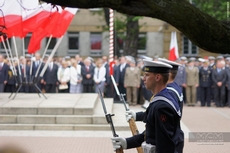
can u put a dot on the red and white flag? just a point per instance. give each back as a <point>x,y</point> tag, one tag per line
<point>55,24</point>
<point>173,52</point>
<point>11,15</point>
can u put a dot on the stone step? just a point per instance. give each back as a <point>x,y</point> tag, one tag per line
<point>55,104</point>
<point>97,118</point>
<point>60,127</point>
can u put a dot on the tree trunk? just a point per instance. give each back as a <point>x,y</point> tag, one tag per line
<point>203,30</point>
<point>132,32</point>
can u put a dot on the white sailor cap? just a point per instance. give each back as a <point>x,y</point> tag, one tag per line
<point>156,66</point>
<point>228,58</point>
<point>220,57</point>
<point>28,56</point>
<point>183,58</point>
<point>173,64</point>
<point>211,58</point>
<point>130,58</point>
<point>201,60</point>
<point>146,57</point>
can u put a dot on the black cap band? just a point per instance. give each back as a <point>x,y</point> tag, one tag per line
<point>175,67</point>
<point>156,69</point>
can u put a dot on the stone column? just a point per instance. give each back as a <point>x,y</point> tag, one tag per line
<point>84,43</point>
<point>155,44</point>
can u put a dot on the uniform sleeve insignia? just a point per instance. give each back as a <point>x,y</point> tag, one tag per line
<point>163,118</point>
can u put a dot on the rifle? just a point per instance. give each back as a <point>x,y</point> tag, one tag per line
<point>132,124</point>
<point>109,120</point>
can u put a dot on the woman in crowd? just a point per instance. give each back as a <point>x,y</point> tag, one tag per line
<point>99,76</point>
<point>63,77</point>
<point>75,77</point>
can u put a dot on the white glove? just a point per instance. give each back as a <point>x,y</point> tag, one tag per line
<point>119,142</point>
<point>130,114</point>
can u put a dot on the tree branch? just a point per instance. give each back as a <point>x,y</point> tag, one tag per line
<point>203,30</point>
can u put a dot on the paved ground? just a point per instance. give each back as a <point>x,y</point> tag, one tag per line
<point>195,119</point>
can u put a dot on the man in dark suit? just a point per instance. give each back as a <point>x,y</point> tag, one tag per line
<point>3,73</point>
<point>35,67</point>
<point>25,73</point>
<point>205,78</point>
<point>50,77</point>
<point>87,72</point>
<point>120,75</point>
<point>219,77</point>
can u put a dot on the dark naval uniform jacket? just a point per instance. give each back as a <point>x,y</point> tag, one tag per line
<point>162,120</point>
<point>205,77</point>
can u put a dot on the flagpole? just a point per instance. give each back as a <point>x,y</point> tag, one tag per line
<point>8,44</point>
<point>31,67</point>
<point>16,51</point>
<point>48,43</point>
<point>51,56</point>
<point>7,54</point>
<point>24,55</point>
<point>111,38</point>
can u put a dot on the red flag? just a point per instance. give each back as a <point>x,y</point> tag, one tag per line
<point>66,17</point>
<point>34,18</point>
<point>56,25</point>
<point>173,52</point>
<point>45,29</point>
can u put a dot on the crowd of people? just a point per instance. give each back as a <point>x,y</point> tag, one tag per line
<point>198,78</point>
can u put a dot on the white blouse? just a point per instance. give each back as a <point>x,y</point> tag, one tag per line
<point>99,74</point>
<point>74,74</point>
<point>63,75</point>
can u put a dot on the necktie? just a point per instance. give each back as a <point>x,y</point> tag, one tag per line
<point>23,69</point>
<point>0,66</point>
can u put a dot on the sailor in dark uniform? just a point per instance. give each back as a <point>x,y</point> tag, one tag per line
<point>175,91</point>
<point>162,117</point>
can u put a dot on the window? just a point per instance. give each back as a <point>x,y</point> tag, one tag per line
<point>2,49</point>
<point>51,45</point>
<point>73,42</point>
<point>95,43</point>
<point>188,47</point>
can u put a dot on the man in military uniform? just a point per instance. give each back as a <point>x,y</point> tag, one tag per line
<point>180,78</point>
<point>205,78</point>
<point>211,60</point>
<point>192,82</point>
<point>163,110</point>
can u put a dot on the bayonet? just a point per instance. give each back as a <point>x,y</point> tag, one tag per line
<point>109,120</point>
